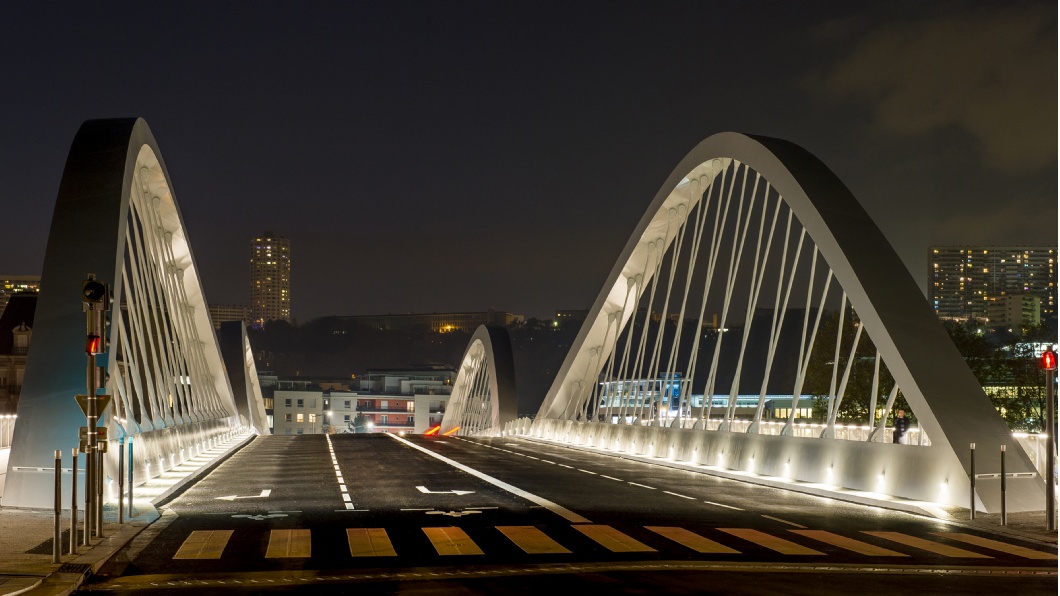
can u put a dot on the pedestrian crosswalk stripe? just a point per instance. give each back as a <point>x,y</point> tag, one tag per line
<point>288,544</point>
<point>451,541</point>
<point>857,546</point>
<point>928,545</point>
<point>784,547</point>
<point>204,544</point>
<point>532,540</point>
<point>369,542</point>
<point>612,539</point>
<point>1004,547</point>
<point>692,540</point>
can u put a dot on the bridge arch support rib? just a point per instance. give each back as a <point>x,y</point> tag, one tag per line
<point>483,398</point>
<point>949,404</point>
<point>116,217</point>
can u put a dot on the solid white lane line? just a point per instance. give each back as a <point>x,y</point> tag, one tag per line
<point>784,521</point>
<point>553,507</point>
<point>722,505</point>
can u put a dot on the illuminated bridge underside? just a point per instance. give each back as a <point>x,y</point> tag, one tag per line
<point>750,226</point>
<point>116,217</point>
<point>483,398</point>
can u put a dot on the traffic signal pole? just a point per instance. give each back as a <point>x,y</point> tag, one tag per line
<point>95,301</point>
<point>1049,364</point>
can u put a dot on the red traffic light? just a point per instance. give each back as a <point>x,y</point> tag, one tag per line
<point>1049,360</point>
<point>93,344</point>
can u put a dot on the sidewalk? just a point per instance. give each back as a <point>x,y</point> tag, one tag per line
<point>26,534</point>
<point>1029,526</point>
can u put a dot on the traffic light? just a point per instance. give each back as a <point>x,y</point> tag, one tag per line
<point>95,302</point>
<point>1049,359</point>
<point>93,291</point>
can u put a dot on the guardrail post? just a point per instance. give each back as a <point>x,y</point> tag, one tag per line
<point>1004,516</point>
<point>73,504</point>
<point>971,493</point>
<point>57,533</point>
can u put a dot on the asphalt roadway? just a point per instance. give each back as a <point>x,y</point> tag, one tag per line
<point>417,515</point>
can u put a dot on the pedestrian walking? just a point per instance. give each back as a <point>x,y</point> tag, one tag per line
<point>901,425</point>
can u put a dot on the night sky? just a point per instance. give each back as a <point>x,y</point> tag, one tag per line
<point>460,156</point>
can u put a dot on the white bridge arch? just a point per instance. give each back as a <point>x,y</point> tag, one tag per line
<point>483,398</point>
<point>116,217</point>
<point>607,391</point>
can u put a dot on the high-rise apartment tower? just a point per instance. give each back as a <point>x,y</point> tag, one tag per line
<point>270,279</point>
<point>966,282</point>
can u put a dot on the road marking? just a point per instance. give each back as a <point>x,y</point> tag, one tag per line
<point>692,540</point>
<point>928,545</point>
<point>563,512</point>
<point>722,505</point>
<point>784,521</point>
<point>678,495</point>
<point>565,466</point>
<point>451,541</point>
<point>586,471</point>
<point>288,544</point>
<point>453,513</point>
<point>613,540</point>
<point>260,517</point>
<point>425,490</point>
<point>857,546</point>
<point>1004,547</point>
<point>532,540</point>
<point>204,544</point>
<point>264,493</point>
<point>548,461</point>
<point>643,485</point>
<point>346,497</point>
<point>611,478</point>
<point>773,543</point>
<point>369,542</point>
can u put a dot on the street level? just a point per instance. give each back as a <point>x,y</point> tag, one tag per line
<point>416,514</point>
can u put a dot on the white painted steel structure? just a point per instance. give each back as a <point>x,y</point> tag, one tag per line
<point>116,217</point>
<point>483,398</point>
<point>748,225</point>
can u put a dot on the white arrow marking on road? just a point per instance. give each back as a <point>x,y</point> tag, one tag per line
<point>424,489</point>
<point>264,493</point>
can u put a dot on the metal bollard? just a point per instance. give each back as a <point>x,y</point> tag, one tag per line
<point>1004,514</point>
<point>87,538</point>
<point>971,494</point>
<point>57,535</point>
<point>121,480</point>
<point>131,477</point>
<point>73,505</point>
<point>99,493</point>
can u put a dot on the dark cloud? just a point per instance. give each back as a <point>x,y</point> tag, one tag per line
<point>979,71</point>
